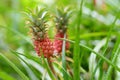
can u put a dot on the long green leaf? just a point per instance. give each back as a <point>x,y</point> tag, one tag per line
<point>24,77</point>
<point>105,48</point>
<point>63,59</point>
<point>98,54</point>
<point>5,76</point>
<point>115,54</point>
<point>76,55</point>
<point>27,66</point>
<point>65,72</point>
<point>48,69</point>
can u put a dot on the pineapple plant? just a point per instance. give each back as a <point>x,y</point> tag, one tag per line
<point>61,21</point>
<point>38,26</point>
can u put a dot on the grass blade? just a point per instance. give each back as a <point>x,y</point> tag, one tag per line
<point>29,69</point>
<point>102,57</point>
<point>24,77</point>
<point>76,55</point>
<point>93,57</point>
<point>98,54</point>
<point>61,68</point>
<point>48,69</point>
<point>6,76</point>
<point>115,53</point>
<point>63,58</point>
<point>105,48</point>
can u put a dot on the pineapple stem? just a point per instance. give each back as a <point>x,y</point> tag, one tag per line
<point>51,66</point>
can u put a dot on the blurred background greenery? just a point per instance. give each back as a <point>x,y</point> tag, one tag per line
<point>95,24</point>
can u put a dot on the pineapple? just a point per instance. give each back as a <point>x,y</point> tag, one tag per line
<point>61,20</point>
<point>37,22</point>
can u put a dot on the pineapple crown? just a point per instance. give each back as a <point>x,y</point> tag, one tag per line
<point>37,22</point>
<point>62,18</point>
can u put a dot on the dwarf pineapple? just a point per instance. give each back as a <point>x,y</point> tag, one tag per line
<point>61,20</point>
<point>37,23</point>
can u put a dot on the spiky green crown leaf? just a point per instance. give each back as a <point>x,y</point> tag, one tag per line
<point>37,22</point>
<point>62,18</point>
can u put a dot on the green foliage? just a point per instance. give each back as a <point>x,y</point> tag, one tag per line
<point>89,24</point>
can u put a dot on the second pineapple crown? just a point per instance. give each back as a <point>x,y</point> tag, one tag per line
<point>61,19</point>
